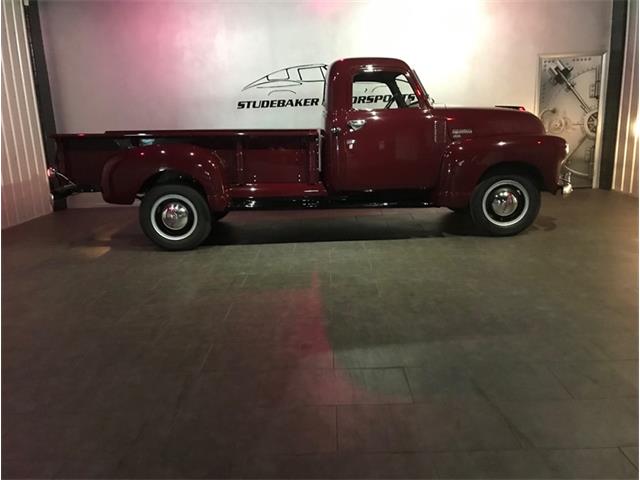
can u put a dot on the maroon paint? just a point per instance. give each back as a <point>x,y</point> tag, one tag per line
<point>124,175</point>
<point>395,149</point>
<point>465,161</point>
<point>410,148</point>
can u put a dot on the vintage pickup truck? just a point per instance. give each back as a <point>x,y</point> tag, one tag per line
<point>384,144</point>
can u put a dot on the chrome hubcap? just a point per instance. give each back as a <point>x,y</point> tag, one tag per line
<point>504,202</point>
<point>175,216</point>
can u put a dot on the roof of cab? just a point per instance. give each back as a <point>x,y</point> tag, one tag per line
<point>380,62</point>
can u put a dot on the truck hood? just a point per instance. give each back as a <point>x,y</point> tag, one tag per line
<point>483,122</point>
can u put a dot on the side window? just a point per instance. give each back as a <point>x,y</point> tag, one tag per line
<point>370,95</point>
<point>382,90</point>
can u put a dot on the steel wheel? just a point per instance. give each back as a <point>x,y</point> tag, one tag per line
<point>504,204</point>
<point>175,217</point>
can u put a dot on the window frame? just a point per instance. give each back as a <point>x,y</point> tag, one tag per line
<point>394,73</point>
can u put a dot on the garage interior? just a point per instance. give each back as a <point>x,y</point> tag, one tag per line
<point>371,343</point>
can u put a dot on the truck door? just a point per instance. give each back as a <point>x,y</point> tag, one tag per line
<point>388,139</point>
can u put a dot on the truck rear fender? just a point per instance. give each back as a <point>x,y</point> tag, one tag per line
<point>132,172</point>
<point>466,162</point>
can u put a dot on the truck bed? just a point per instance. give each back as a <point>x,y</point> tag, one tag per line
<point>253,161</point>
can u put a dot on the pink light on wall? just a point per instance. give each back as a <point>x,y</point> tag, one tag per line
<point>326,8</point>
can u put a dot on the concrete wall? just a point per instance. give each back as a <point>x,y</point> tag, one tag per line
<point>625,173</point>
<point>25,189</point>
<point>183,64</point>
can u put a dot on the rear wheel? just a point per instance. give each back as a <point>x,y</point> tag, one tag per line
<point>175,217</point>
<point>505,204</point>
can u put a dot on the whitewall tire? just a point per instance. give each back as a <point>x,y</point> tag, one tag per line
<point>505,204</point>
<point>175,217</point>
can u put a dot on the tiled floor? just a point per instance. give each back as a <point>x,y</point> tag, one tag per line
<point>342,343</point>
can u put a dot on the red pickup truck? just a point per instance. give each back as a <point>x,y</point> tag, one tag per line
<point>384,144</point>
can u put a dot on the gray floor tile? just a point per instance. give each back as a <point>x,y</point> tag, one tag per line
<point>437,425</point>
<point>517,381</point>
<point>574,423</point>
<point>632,455</point>
<point>92,465</point>
<point>261,356</point>
<point>441,381</point>
<point>137,393</point>
<point>598,380</point>
<point>254,431</point>
<point>493,464</point>
<point>105,339</point>
<point>616,346</point>
<point>13,467</point>
<point>383,465</point>
<point>172,358</point>
<point>287,388</point>
<point>147,456</point>
<point>591,463</point>
<point>35,446</point>
<point>380,349</point>
<point>628,370</point>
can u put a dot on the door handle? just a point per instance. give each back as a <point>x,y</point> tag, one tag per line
<point>356,124</point>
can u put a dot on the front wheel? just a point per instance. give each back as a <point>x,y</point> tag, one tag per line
<point>505,204</point>
<point>175,217</point>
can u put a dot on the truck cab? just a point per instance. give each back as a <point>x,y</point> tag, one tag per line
<point>384,144</point>
<point>382,132</point>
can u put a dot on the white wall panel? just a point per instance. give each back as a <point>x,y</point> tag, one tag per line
<point>25,189</point>
<point>183,64</point>
<point>625,173</point>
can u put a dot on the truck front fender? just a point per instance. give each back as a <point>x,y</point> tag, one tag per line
<point>125,174</point>
<point>466,161</point>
